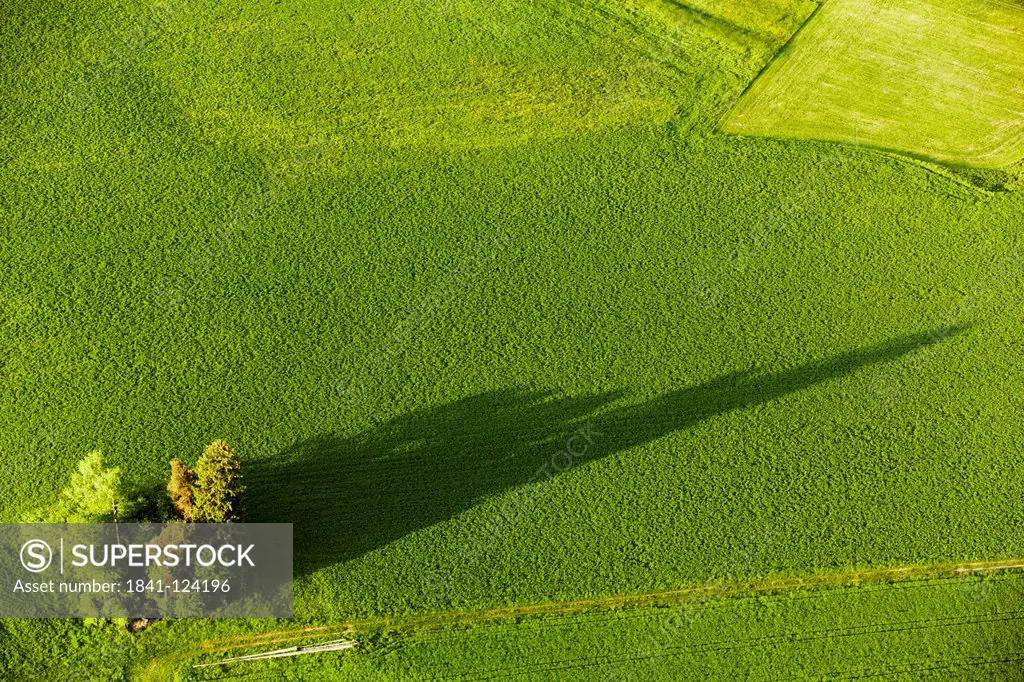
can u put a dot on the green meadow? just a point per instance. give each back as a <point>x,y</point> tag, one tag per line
<point>495,314</point>
<point>966,631</point>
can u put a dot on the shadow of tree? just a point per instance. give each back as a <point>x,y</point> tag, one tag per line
<point>349,495</point>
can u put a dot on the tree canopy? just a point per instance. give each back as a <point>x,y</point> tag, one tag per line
<point>218,485</point>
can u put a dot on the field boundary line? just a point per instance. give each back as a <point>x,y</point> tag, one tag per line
<point>721,123</point>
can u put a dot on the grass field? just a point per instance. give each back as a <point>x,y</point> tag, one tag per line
<point>946,629</point>
<point>938,79</point>
<point>941,631</point>
<point>405,256</point>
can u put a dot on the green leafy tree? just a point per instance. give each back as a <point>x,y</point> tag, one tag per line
<point>94,493</point>
<point>92,496</point>
<point>218,485</point>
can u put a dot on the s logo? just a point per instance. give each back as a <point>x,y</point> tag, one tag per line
<point>36,556</point>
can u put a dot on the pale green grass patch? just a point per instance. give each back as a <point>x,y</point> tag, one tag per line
<point>937,79</point>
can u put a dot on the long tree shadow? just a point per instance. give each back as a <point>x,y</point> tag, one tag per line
<point>349,495</point>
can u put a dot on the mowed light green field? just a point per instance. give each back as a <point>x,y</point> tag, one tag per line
<point>938,79</point>
<point>490,310</point>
